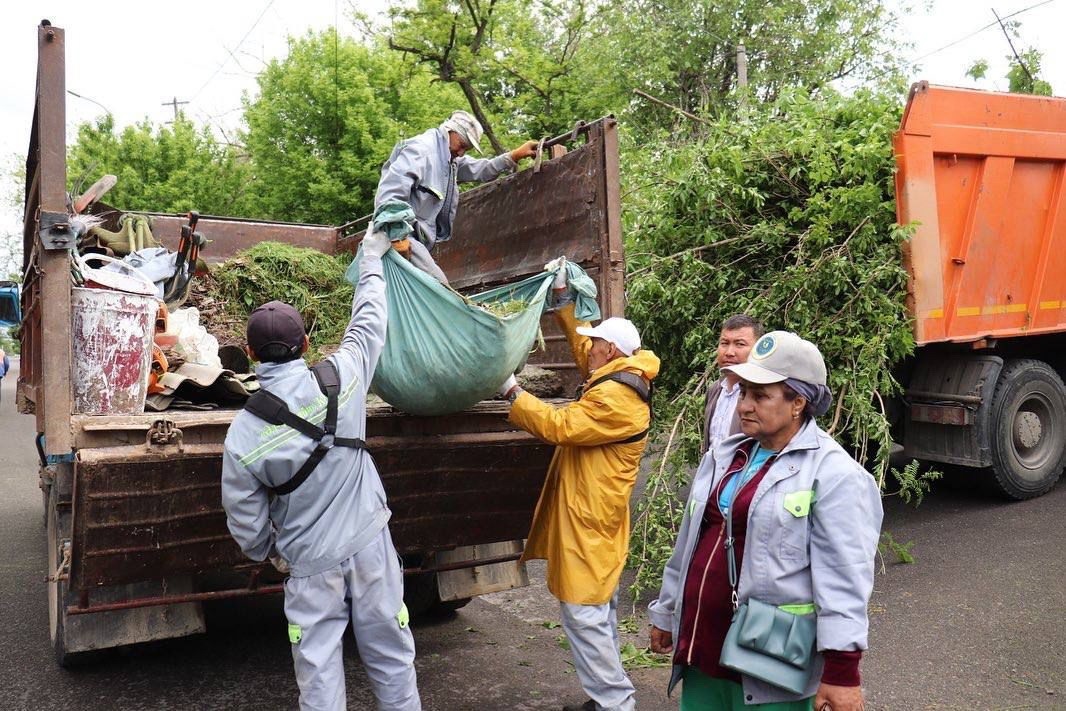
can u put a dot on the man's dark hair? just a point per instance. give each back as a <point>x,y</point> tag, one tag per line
<point>277,353</point>
<point>743,321</point>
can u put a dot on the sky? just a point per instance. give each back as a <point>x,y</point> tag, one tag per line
<point>130,58</point>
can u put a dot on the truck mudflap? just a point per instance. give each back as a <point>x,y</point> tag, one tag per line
<point>948,406</point>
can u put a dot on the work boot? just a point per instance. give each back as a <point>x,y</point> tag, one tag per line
<point>589,705</point>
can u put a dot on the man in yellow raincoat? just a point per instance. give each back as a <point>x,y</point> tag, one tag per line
<point>581,525</point>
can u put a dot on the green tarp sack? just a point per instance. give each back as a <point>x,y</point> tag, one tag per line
<point>442,352</point>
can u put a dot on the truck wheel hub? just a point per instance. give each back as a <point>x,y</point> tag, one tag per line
<point>1027,430</point>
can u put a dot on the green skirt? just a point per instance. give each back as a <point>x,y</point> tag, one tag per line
<point>700,692</point>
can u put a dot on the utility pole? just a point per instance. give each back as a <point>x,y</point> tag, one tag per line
<point>742,75</point>
<point>175,103</point>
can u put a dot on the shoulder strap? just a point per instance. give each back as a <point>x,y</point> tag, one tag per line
<point>639,385</point>
<point>269,407</point>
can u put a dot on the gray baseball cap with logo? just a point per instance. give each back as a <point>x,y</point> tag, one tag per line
<point>778,356</point>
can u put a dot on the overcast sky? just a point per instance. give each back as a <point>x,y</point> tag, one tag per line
<point>129,58</point>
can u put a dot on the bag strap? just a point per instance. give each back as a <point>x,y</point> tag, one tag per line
<point>269,407</point>
<point>642,387</point>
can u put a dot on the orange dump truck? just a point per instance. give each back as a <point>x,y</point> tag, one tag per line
<point>982,176</point>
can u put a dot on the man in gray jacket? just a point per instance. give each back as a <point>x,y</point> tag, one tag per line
<point>739,333</point>
<point>310,499</point>
<point>423,172</point>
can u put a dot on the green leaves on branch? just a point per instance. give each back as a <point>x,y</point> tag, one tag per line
<point>790,217</point>
<point>172,168</point>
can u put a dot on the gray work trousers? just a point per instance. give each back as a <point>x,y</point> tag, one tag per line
<point>593,634</point>
<point>368,588</point>
<point>421,258</point>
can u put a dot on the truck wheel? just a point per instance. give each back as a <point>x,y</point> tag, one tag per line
<point>1028,428</point>
<point>423,600</point>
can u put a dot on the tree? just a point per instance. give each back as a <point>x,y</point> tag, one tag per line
<point>788,216</point>
<point>513,59</point>
<point>172,168</point>
<point>684,51</point>
<point>326,118</point>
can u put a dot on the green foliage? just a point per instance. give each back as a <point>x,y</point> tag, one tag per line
<point>172,168</point>
<point>914,483</point>
<point>513,60</point>
<point>634,657</point>
<point>790,217</point>
<point>902,551</point>
<point>325,120</point>
<point>1024,75</point>
<point>978,70</point>
<point>309,280</point>
<point>684,52</point>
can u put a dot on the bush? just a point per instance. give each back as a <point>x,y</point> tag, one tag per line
<point>788,216</point>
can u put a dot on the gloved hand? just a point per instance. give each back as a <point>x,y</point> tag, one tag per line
<point>280,564</point>
<point>526,150</point>
<point>375,243</point>
<point>559,263</point>
<point>507,385</point>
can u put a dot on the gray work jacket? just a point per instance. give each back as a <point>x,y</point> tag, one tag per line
<point>421,173</point>
<point>813,527</point>
<point>341,506</point>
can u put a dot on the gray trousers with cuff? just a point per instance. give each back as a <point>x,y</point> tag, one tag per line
<point>368,588</point>
<point>593,634</point>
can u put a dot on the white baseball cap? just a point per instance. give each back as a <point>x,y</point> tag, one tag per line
<point>778,356</point>
<point>619,331</point>
<point>466,126</point>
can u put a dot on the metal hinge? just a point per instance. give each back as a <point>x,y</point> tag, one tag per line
<point>163,432</point>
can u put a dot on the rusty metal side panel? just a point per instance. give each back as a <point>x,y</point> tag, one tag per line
<point>139,515</point>
<point>457,480</point>
<point>47,155</point>
<point>459,492</point>
<point>984,176</point>
<point>229,235</point>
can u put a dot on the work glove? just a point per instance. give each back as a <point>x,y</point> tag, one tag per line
<point>559,263</point>
<point>526,150</point>
<point>507,385</point>
<point>375,243</point>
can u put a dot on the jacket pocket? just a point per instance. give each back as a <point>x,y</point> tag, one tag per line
<point>793,519</point>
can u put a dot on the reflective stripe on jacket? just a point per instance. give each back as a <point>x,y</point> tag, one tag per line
<point>581,525</point>
<point>341,507</point>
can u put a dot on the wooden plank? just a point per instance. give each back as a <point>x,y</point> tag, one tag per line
<point>55,264</point>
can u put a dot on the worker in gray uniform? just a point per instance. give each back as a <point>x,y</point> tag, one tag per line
<point>300,488</point>
<point>423,172</point>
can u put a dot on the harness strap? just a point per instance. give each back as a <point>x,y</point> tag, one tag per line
<point>641,386</point>
<point>272,409</point>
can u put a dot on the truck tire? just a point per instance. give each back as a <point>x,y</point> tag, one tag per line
<point>422,598</point>
<point>1028,428</point>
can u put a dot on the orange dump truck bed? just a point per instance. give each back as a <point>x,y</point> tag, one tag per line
<point>983,175</point>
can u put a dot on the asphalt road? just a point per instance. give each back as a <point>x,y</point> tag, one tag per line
<point>978,622</point>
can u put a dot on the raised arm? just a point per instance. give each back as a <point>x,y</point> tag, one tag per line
<point>365,336</point>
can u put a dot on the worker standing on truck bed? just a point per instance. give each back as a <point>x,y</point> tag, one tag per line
<point>581,525</point>
<point>300,488</point>
<point>422,174</point>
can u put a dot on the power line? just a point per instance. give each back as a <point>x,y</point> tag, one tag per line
<point>980,30</point>
<point>224,61</point>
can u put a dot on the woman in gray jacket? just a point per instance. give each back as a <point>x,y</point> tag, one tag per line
<point>805,526</point>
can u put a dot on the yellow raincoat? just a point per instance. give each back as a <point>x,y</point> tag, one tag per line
<point>581,526</point>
